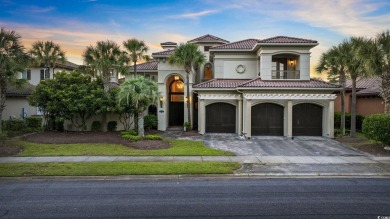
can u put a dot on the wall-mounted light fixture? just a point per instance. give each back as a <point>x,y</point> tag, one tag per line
<point>164,60</point>
<point>161,101</point>
<point>291,61</point>
<point>176,78</point>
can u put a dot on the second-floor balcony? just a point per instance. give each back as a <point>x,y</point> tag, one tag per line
<point>285,74</point>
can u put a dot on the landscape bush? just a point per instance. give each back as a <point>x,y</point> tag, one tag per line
<point>96,126</point>
<point>14,124</point>
<point>153,137</point>
<point>150,122</point>
<point>377,127</point>
<point>33,122</point>
<point>111,126</point>
<point>337,120</point>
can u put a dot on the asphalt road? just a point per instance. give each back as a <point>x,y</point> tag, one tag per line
<point>196,198</point>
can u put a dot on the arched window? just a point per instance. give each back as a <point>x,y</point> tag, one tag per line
<point>208,71</point>
<point>177,91</point>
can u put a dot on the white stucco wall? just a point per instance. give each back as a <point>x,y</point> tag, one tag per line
<point>225,65</point>
<point>14,105</point>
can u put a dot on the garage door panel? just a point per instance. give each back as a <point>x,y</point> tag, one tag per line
<point>267,119</point>
<point>307,120</point>
<point>221,118</point>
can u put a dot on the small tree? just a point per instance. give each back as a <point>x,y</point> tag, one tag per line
<point>140,92</point>
<point>13,60</point>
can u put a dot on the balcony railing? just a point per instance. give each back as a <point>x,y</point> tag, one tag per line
<point>283,74</point>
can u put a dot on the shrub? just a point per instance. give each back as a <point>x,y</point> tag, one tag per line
<point>129,132</point>
<point>96,126</point>
<point>14,124</point>
<point>133,138</point>
<point>33,122</point>
<point>377,127</point>
<point>3,137</point>
<point>111,126</point>
<point>153,137</point>
<point>59,124</point>
<point>150,121</point>
<point>337,120</point>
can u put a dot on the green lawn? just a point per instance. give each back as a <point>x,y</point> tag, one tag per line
<point>179,148</point>
<point>115,168</point>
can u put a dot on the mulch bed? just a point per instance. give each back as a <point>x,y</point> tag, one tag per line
<point>6,151</point>
<point>93,137</point>
<point>376,149</point>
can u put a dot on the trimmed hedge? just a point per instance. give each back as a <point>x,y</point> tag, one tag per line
<point>337,120</point>
<point>14,124</point>
<point>377,127</point>
<point>33,122</point>
<point>153,137</point>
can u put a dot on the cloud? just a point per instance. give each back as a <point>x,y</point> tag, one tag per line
<point>195,14</point>
<point>33,9</point>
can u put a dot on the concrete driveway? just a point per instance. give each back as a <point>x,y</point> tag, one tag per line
<point>277,146</point>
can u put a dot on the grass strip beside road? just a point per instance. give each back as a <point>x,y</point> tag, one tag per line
<point>115,168</point>
<point>179,148</point>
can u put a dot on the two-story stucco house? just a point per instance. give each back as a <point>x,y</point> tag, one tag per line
<point>251,87</point>
<point>17,105</point>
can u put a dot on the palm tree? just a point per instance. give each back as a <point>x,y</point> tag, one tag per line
<point>142,92</point>
<point>190,57</point>
<point>333,62</point>
<point>356,65</point>
<point>13,60</point>
<point>104,58</point>
<point>47,54</point>
<point>137,50</point>
<point>379,63</point>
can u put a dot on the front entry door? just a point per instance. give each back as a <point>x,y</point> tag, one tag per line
<point>176,103</point>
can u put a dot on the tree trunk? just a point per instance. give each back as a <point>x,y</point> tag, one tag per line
<point>188,98</point>
<point>135,68</point>
<point>342,122</point>
<point>353,109</point>
<point>141,131</point>
<point>385,92</point>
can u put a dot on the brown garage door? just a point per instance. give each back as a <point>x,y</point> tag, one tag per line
<point>267,119</point>
<point>307,120</point>
<point>221,118</point>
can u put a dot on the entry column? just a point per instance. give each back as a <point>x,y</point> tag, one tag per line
<point>246,117</point>
<point>331,119</point>
<point>289,118</point>
<point>202,117</point>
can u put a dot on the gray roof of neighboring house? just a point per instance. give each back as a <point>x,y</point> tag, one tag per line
<point>26,90</point>
<point>369,86</point>
<point>258,83</point>
<point>286,39</point>
<point>168,43</point>
<point>147,66</point>
<point>208,38</point>
<point>242,44</point>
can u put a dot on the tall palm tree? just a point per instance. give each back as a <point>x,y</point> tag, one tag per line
<point>137,51</point>
<point>13,60</point>
<point>188,56</point>
<point>334,63</point>
<point>103,59</point>
<point>47,54</point>
<point>358,48</point>
<point>142,92</point>
<point>379,63</point>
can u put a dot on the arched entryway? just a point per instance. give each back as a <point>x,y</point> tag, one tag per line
<point>307,120</point>
<point>267,119</point>
<point>176,102</point>
<point>221,118</point>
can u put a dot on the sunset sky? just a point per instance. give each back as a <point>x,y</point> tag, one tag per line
<point>75,24</point>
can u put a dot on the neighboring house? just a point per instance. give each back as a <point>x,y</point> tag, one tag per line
<point>254,87</point>
<point>17,105</point>
<point>368,100</point>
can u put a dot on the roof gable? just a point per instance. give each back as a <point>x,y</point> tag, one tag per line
<point>208,38</point>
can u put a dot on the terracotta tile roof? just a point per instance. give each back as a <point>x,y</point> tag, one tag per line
<point>163,53</point>
<point>152,65</point>
<point>258,83</point>
<point>20,92</point>
<point>372,91</point>
<point>220,83</point>
<point>208,38</point>
<point>312,83</point>
<point>242,44</point>
<point>363,83</point>
<point>168,43</point>
<point>286,39</point>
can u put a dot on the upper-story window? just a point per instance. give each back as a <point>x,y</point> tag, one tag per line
<point>284,66</point>
<point>208,71</point>
<point>207,48</point>
<point>28,74</point>
<point>45,74</point>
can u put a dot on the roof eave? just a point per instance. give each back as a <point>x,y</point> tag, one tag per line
<point>288,44</point>
<point>287,88</point>
<point>214,89</point>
